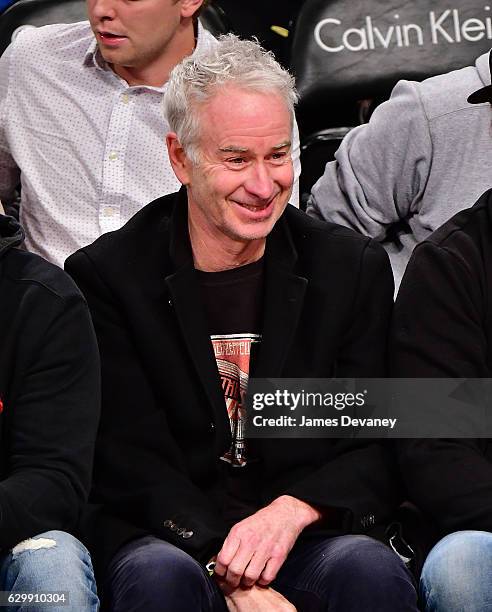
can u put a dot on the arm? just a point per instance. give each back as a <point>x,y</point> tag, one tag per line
<point>356,479</point>
<point>381,168</point>
<point>141,475</point>
<point>50,421</point>
<point>439,332</point>
<point>9,172</point>
<point>353,480</point>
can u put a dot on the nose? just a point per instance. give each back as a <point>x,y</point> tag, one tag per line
<point>260,183</point>
<point>101,9</point>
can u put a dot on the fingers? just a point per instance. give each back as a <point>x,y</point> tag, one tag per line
<point>254,569</point>
<point>226,554</point>
<point>275,561</point>
<point>238,565</point>
<point>233,559</point>
<point>270,571</point>
<point>257,546</point>
<point>242,559</point>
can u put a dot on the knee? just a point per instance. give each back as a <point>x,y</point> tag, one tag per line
<point>52,561</point>
<point>54,549</point>
<point>149,574</point>
<point>161,563</point>
<point>360,558</point>
<point>457,570</point>
<point>362,573</point>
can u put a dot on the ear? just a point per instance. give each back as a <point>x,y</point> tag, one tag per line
<point>179,161</point>
<point>190,7</point>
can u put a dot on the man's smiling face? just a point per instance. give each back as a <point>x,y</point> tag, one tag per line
<point>243,180</point>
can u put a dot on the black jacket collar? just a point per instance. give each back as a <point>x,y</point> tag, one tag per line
<point>283,300</point>
<point>11,234</point>
<point>280,248</point>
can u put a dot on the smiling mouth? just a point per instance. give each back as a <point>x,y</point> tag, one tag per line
<point>256,207</point>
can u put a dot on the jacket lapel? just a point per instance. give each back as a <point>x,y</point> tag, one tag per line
<point>185,294</point>
<point>282,305</point>
<point>283,302</point>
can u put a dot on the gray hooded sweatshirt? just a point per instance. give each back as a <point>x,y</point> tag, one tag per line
<point>425,154</point>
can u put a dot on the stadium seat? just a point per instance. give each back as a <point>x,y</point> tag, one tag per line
<point>347,56</point>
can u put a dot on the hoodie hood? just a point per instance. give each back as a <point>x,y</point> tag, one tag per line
<point>484,69</point>
<point>11,234</point>
<point>482,66</point>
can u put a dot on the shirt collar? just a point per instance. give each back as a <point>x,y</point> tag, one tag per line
<point>92,56</point>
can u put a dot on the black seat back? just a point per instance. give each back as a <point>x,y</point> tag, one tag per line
<point>347,55</point>
<point>344,51</point>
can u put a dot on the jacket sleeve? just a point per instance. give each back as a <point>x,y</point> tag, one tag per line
<point>381,168</point>
<point>438,332</point>
<point>358,478</point>
<point>141,475</point>
<point>9,172</point>
<point>50,421</point>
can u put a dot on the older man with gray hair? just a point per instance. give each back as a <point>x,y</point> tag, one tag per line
<point>200,289</point>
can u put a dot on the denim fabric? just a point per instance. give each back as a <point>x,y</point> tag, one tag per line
<point>457,574</point>
<point>344,574</point>
<point>64,566</point>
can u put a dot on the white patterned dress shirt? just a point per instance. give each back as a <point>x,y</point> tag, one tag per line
<point>88,149</point>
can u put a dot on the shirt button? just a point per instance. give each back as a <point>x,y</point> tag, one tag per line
<point>125,98</point>
<point>113,155</point>
<point>108,212</point>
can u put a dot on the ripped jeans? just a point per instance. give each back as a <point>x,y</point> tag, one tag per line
<point>51,562</point>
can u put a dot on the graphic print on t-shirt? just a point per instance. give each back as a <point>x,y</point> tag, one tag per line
<point>232,352</point>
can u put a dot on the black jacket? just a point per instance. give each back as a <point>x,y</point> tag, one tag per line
<point>49,392</point>
<point>327,303</point>
<point>443,328</point>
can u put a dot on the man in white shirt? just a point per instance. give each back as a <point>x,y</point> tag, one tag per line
<point>81,126</point>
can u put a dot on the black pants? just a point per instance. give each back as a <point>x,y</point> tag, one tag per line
<point>345,574</point>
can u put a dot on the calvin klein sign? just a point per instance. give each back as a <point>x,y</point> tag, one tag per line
<point>446,27</point>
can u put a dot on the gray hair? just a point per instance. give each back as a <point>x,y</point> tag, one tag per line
<point>232,61</point>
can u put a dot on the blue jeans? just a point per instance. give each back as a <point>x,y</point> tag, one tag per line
<point>345,574</point>
<point>457,574</point>
<point>51,561</point>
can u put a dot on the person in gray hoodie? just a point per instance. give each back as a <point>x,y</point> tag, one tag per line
<point>49,410</point>
<point>424,156</point>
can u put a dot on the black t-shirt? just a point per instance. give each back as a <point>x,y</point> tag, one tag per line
<point>233,308</point>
